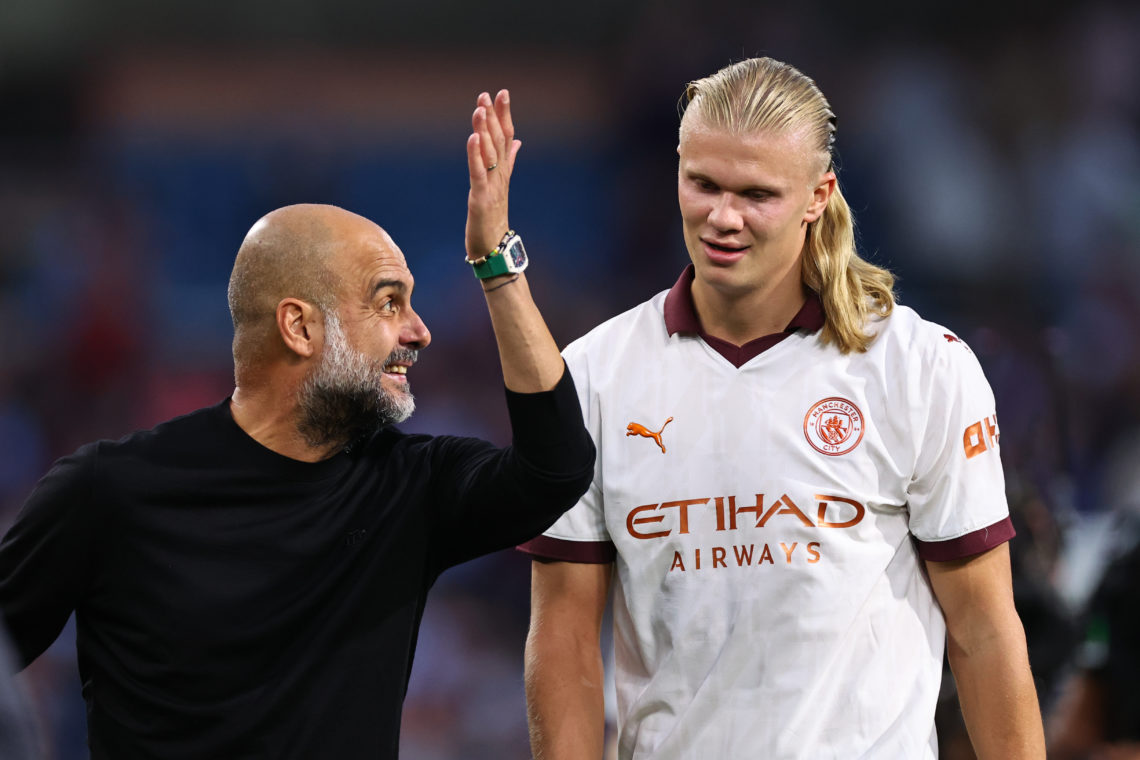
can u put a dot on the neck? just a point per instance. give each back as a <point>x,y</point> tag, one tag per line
<point>741,317</point>
<point>271,419</point>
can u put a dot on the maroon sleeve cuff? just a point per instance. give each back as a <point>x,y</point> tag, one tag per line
<point>561,550</point>
<point>968,545</point>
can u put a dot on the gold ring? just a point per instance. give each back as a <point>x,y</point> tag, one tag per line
<point>492,166</point>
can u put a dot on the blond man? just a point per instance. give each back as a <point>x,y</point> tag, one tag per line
<point>815,507</point>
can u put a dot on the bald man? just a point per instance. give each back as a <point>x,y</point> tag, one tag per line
<point>248,579</point>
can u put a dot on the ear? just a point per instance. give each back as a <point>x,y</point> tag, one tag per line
<point>820,195</point>
<point>301,327</point>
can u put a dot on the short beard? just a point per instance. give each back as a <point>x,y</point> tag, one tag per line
<point>343,399</point>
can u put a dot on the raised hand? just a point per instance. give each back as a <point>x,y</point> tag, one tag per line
<point>491,151</point>
<point>529,355</point>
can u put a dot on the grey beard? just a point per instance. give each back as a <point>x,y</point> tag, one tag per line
<point>344,399</point>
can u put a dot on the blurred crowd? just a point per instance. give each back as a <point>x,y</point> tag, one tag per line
<point>994,167</point>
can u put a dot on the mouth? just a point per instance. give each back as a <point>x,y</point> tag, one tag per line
<point>396,371</point>
<point>723,253</point>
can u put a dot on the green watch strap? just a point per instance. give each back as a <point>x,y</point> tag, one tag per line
<point>492,266</point>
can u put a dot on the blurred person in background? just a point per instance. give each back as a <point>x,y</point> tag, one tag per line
<point>249,579</point>
<point>1098,714</point>
<point>798,485</point>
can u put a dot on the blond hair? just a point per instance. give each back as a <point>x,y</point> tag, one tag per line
<point>765,95</point>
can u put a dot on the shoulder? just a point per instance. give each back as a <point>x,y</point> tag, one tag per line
<point>646,321</point>
<point>906,339</point>
<point>930,370</point>
<point>608,352</point>
<point>904,327</point>
<point>194,433</point>
<point>628,341</point>
<point>145,458</point>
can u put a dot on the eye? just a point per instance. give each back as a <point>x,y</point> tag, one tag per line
<point>389,305</point>
<point>757,195</point>
<point>705,185</point>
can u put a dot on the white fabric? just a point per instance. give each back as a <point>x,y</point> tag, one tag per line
<point>788,640</point>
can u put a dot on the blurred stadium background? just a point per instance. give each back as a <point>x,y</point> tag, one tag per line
<point>991,154</point>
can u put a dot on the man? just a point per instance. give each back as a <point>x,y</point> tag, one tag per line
<point>249,579</point>
<point>797,488</point>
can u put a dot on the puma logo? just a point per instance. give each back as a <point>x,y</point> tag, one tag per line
<point>955,339</point>
<point>635,428</point>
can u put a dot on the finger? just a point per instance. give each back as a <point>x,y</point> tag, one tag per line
<point>477,112</point>
<point>503,111</point>
<point>490,155</point>
<point>515,145</point>
<point>494,126</point>
<point>475,162</point>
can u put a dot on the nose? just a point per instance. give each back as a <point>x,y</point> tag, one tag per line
<point>415,333</point>
<point>724,215</point>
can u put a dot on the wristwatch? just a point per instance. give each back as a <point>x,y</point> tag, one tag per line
<point>509,257</point>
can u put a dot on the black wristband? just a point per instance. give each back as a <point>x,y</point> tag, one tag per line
<point>501,284</point>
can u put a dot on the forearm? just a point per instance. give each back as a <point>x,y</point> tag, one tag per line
<point>564,694</point>
<point>529,356</point>
<point>997,694</point>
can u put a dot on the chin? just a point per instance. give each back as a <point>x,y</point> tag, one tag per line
<point>726,279</point>
<point>398,407</point>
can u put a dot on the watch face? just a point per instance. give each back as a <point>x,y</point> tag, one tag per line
<point>516,254</point>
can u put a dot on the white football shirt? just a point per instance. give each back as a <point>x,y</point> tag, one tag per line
<point>767,522</point>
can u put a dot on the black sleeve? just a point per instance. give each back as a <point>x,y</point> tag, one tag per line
<point>46,556</point>
<point>18,735</point>
<point>490,498</point>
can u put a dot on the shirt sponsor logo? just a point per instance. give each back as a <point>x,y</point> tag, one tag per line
<point>743,554</point>
<point>636,428</point>
<point>833,426</point>
<point>649,520</point>
<point>981,436</point>
<point>712,515</point>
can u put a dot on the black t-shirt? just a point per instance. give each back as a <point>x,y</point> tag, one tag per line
<point>234,603</point>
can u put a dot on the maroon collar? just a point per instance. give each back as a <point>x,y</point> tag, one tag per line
<point>681,317</point>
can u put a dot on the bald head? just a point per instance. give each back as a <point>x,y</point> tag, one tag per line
<point>289,253</point>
